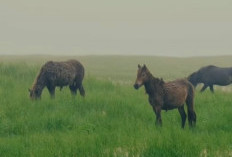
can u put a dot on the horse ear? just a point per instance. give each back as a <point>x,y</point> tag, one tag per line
<point>144,66</point>
<point>139,66</point>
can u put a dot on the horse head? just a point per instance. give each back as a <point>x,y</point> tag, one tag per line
<point>34,94</point>
<point>142,76</point>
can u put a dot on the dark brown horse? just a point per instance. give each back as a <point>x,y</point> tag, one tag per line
<point>211,75</point>
<point>52,74</point>
<point>167,95</point>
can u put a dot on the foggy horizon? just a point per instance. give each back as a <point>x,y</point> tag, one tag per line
<point>172,28</point>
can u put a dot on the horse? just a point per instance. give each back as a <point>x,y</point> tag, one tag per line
<point>211,75</point>
<point>167,95</point>
<point>69,73</point>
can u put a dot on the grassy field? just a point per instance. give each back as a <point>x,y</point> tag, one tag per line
<point>113,119</point>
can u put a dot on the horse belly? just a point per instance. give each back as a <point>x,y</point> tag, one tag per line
<point>61,79</point>
<point>169,107</point>
<point>223,81</point>
<point>64,81</point>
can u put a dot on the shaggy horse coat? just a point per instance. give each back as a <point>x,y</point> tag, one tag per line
<point>53,74</point>
<point>211,75</point>
<point>167,96</point>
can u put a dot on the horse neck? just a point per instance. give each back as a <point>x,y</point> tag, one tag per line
<point>154,86</point>
<point>39,83</point>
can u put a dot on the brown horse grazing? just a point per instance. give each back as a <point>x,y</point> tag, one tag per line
<point>167,96</point>
<point>52,74</point>
<point>211,75</point>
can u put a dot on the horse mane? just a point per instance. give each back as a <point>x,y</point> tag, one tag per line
<point>155,80</point>
<point>159,81</point>
<point>154,85</point>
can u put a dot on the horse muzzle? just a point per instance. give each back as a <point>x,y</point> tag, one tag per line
<point>136,86</point>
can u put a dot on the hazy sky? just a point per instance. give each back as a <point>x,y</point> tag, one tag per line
<point>148,27</point>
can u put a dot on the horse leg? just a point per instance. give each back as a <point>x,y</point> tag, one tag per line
<point>51,90</point>
<point>73,89</point>
<point>157,110</point>
<point>211,88</point>
<point>82,91</point>
<point>204,87</point>
<point>183,115</point>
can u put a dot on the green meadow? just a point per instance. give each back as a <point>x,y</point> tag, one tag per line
<point>114,119</point>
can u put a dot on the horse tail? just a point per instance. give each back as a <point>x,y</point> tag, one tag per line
<point>190,105</point>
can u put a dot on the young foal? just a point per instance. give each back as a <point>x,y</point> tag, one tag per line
<point>167,96</point>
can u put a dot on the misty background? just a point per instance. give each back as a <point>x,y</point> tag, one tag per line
<point>122,27</point>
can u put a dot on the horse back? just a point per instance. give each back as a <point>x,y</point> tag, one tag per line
<point>215,75</point>
<point>63,73</point>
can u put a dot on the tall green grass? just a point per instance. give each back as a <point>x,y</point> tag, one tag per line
<point>112,120</point>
